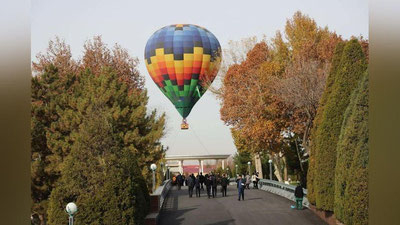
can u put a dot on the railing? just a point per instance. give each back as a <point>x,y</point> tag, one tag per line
<point>162,191</point>
<point>157,201</point>
<point>278,188</point>
<point>282,189</point>
<point>276,184</point>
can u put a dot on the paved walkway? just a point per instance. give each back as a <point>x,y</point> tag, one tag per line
<point>258,207</point>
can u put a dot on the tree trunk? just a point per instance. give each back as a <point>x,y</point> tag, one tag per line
<point>285,166</point>
<point>298,155</point>
<point>278,168</point>
<point>258,164</point>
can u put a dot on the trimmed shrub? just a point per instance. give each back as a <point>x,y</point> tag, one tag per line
<point>351,68</point>
<point>318,118</point>
<point>351,178</point>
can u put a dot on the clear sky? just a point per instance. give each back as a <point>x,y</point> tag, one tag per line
<point>130,23</point>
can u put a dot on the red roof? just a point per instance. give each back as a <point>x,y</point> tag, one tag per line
<point>195,169</point>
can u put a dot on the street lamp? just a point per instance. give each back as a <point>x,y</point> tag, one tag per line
<point>153,167</point>
<point>249,163</point>
<point>166,165</point>
<point>71,210</point>
<point>270,169</point>
<point>163,171</point>
<point>236,166</point>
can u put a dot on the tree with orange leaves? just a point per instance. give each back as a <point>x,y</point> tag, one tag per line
<point>276,89</point>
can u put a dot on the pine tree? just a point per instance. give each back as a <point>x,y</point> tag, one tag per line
<point>45,90</point>
<point>102,178</point>
<point>351,177</point>
<point>351,68</point>
<point>56,112</point>
<point>317,121</point>
<point>59,106</point>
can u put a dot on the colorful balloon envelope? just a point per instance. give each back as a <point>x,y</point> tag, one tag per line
<point>183,60</point>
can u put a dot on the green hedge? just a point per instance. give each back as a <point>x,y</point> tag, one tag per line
<point>318,119</point>
<point>352,66</point>
<point>351,178</point>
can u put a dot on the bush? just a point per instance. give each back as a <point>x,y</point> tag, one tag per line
<point>351,178</point>
<point>351,68</point>
<point>318,119</point>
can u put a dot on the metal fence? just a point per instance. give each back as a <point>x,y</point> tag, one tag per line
<point>162,191</point>
<point>276,184</point>
<point>278,188</point>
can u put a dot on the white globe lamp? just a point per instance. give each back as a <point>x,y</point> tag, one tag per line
<point>153,167</point>
<point>71,208</point>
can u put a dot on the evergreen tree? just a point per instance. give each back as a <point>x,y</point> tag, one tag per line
<point>351,177</point>
<point>46,90</point>
<point>100,177</point>
<point>317,121</point>
<point>60,105</point>
<point>243,155</point>
<point>352,66</point>
<point>241,159</point>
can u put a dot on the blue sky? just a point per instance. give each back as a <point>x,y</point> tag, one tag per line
<point>131,23</point>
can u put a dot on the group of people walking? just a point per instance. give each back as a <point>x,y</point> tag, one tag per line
<point>199,181</point>
<point>212,181</point>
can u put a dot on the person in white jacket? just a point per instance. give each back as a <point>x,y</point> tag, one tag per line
<point>254,180</point>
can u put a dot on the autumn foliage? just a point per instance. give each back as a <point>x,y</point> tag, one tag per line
<point>296,90</point>
<point>277,88</point>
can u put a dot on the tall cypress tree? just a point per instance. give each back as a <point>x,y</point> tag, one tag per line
<point>351,68</point>
<point>318,118</point>
<point>351,178</point>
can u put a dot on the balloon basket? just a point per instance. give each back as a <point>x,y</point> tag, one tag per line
<point>184,125</point>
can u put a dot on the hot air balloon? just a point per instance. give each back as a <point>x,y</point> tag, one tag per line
<point>183,60</point>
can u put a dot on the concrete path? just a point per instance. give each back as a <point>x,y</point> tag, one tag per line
<point>258,207</point>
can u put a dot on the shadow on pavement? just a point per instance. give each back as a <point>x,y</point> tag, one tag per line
<point>225,222</point>
<point>175,216</point>
<point>249,199</point>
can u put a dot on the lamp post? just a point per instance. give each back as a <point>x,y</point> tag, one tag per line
<point>270,169</point>
<point>249,163</point>
<point>236,166</point>
<point>166,165</point>
<point>163,171</point>
<point>71,209</point>
<point>153,167</point>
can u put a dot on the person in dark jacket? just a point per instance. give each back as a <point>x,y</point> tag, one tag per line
<point>190,184</point>
<point>207,182</point>
<point>197,185</point>
<point>299,194</point>
<point>241,184</point>
<point>214,185</point>
<point>224,184</point>
<point>201,179</point>
<point>179,181</point>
